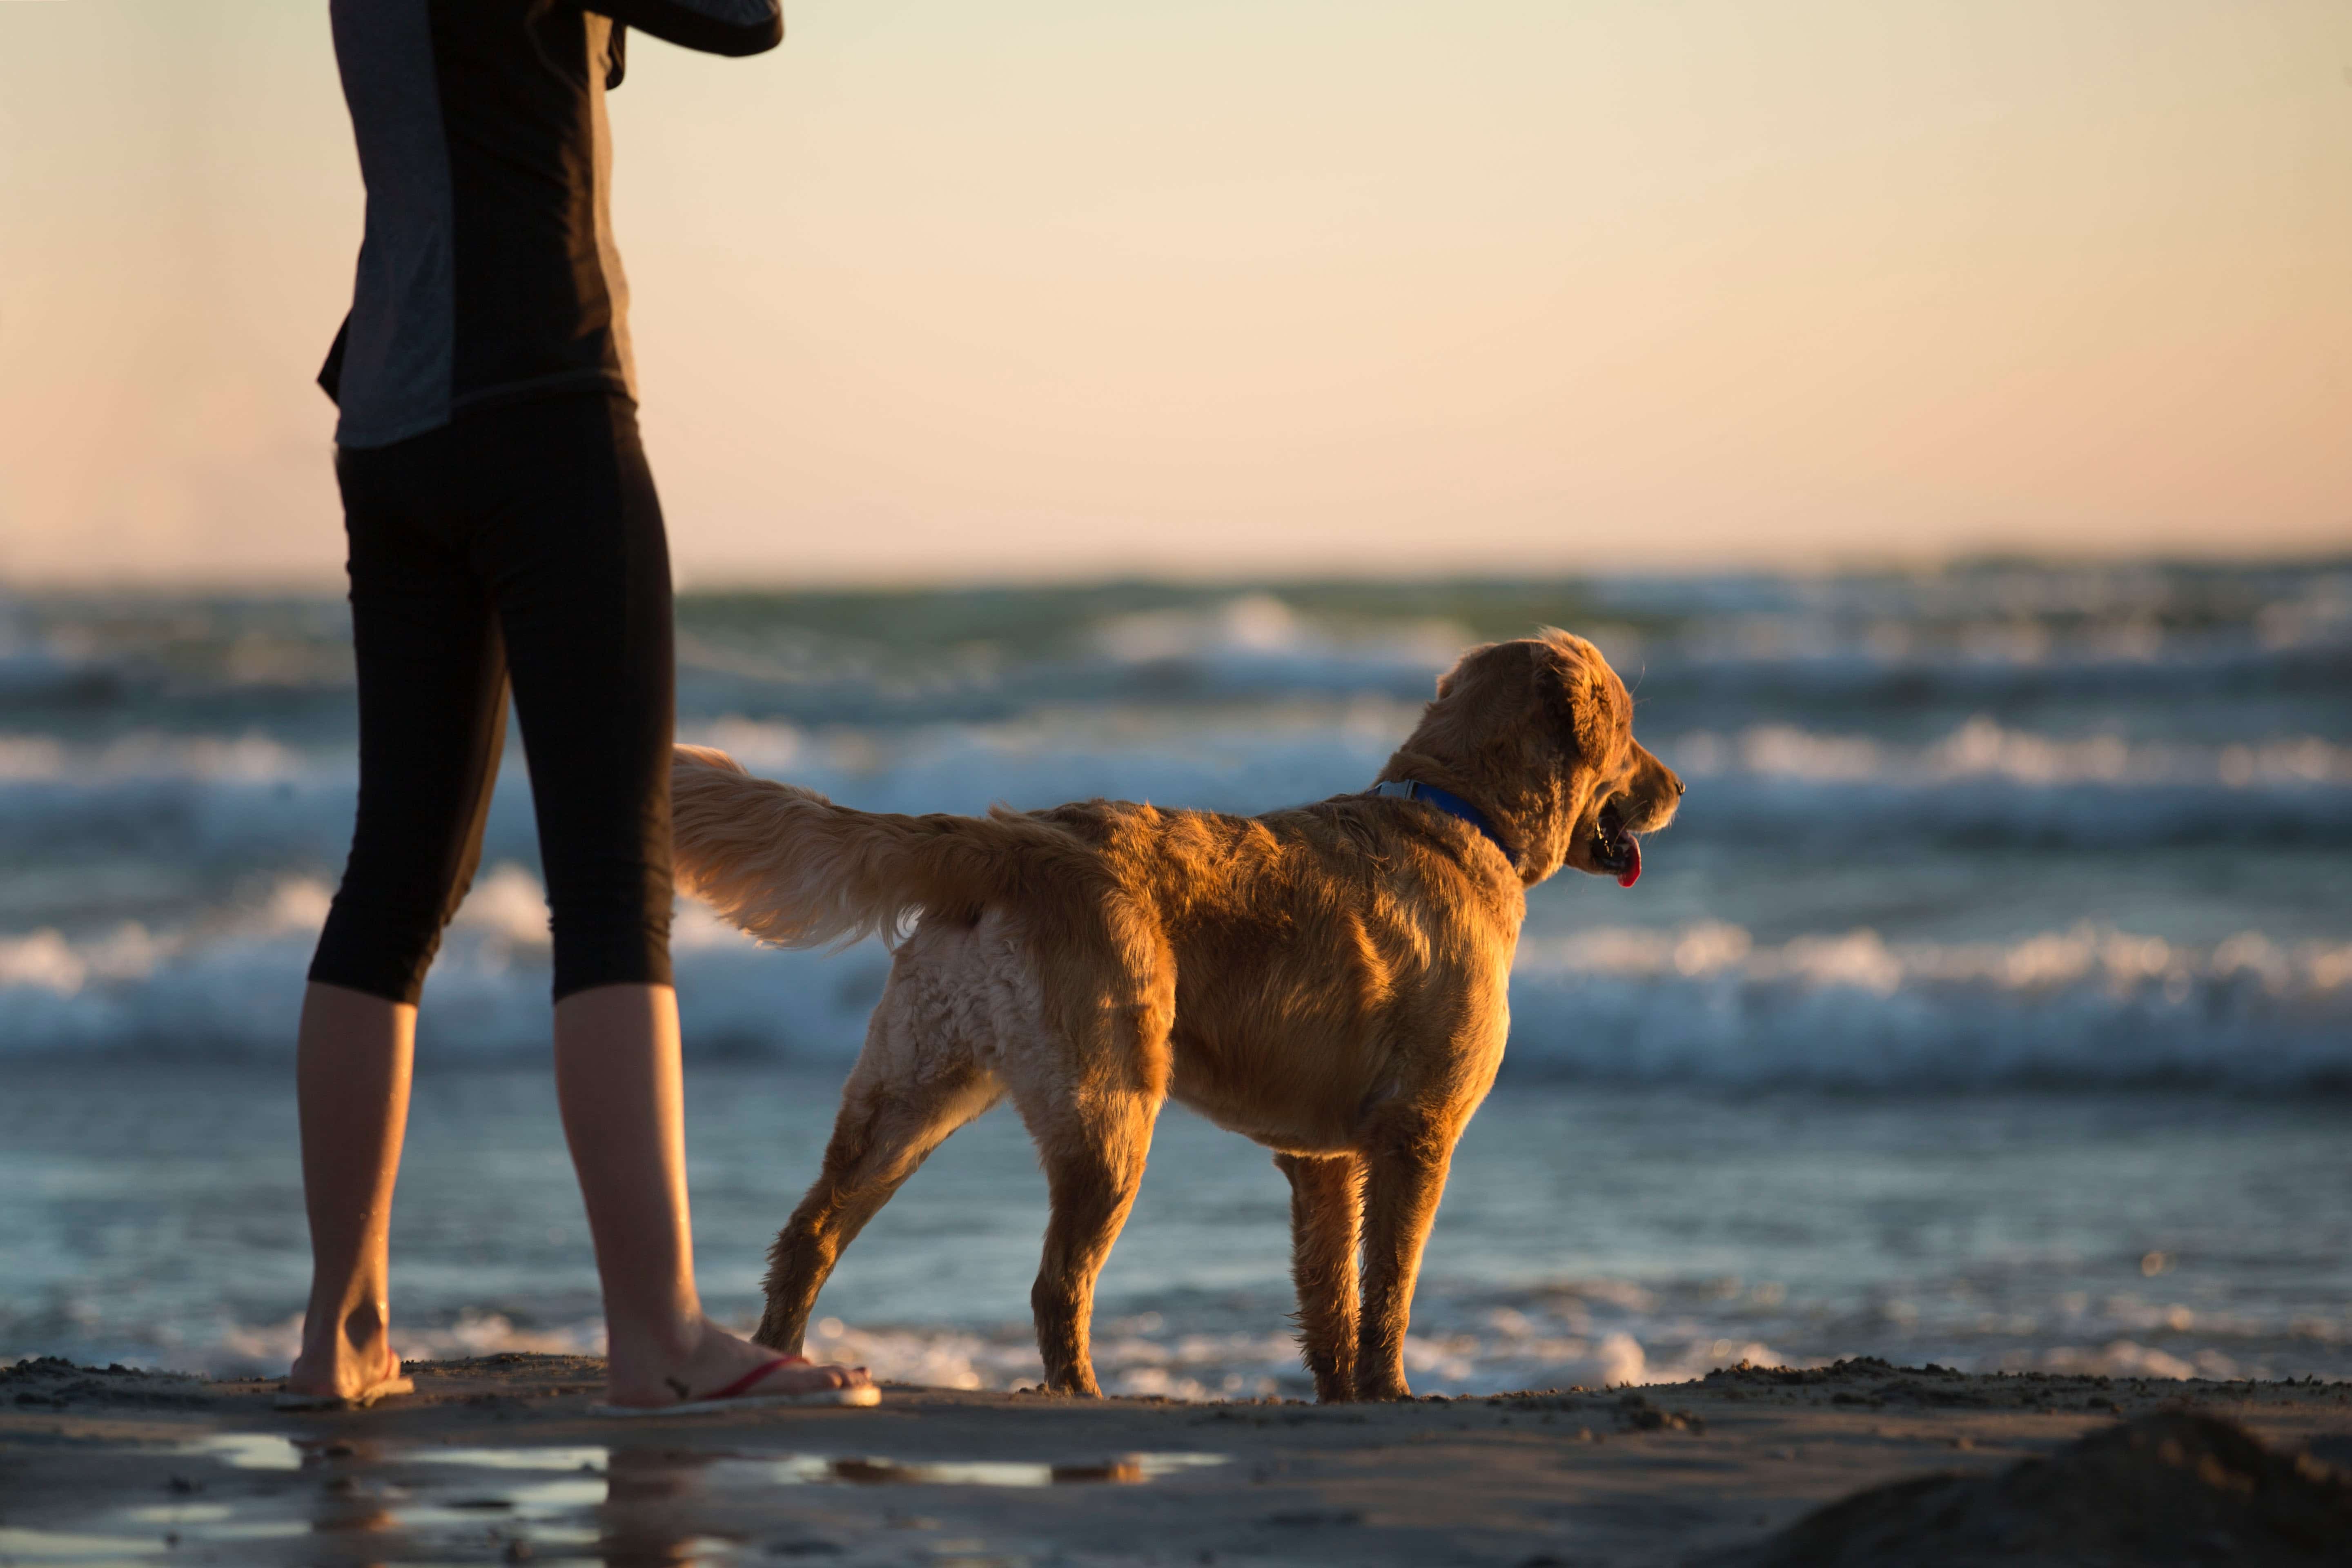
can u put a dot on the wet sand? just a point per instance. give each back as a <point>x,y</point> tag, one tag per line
<point>497,1460</point>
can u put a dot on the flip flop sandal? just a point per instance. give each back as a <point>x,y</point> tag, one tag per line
<point>387,1389</point>
<point>732,1396</point>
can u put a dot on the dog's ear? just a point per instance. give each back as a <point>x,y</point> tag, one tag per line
<point>1447,681</point>
<point>1584,695</point>
<point>1499,690</point>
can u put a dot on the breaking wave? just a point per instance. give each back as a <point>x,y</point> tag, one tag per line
<point>1703,1005</point>
<point>237,807</point>
<point>2088,1007</point>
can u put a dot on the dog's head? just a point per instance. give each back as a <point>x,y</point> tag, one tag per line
<point>1538,732</point>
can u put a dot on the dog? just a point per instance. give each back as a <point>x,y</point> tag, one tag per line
<point>1330,980</point>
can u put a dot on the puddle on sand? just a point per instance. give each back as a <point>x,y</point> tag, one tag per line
<point>248,1451</point>
<point>573,1505</point>
<point>68,1546</point>
<point>173,1514</point>
<point>595,1459</point>
<point>1121,1469</point>
<point>806,1469</point>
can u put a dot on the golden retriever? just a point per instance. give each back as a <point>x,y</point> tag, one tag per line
<point>1329,979</point>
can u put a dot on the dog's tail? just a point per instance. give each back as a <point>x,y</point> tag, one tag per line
<point>790,867</point>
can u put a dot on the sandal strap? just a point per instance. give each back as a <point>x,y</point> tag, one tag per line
<point>752,1378</point>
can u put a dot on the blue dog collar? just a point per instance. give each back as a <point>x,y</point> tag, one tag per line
<point>1451,804</point>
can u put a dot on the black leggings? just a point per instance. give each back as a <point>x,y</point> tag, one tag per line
<point>520,543</point>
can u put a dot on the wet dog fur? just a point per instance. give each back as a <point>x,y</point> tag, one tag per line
<point>1329,979</point>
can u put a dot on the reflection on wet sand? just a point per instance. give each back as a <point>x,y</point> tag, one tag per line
<point>363,1500</point>
<point>1120,1469</point>
<point>351,1504</point>
<point>645,1525</point>
<point>368,1503</point>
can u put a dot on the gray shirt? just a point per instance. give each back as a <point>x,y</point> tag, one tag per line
<point>488,272</point>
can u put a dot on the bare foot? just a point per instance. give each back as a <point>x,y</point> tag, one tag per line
<point>343,1370</point>
<point>718,1361</point>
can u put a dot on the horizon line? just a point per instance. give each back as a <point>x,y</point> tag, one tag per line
<point>711,583</point>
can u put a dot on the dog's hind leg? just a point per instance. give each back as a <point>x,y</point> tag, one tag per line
<point>1094,1144</point>
<point>1326,1196</point>
<point>887,1126</point>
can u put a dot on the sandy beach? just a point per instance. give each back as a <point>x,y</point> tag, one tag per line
<point>497,1460</point>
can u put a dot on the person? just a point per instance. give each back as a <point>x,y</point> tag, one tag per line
<point>503,529</point>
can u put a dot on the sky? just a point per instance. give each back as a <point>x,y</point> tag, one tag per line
<point>1063,289</point>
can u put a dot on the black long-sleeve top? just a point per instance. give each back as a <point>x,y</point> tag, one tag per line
<point>488,271</point>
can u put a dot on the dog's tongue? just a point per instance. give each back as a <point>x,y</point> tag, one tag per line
<point>1632,871</point>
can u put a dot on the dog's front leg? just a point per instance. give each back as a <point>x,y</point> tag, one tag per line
<point>1405,1176</point>
<point>1327,1194</point>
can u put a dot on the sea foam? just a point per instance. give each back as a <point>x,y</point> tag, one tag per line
<point>1704,1003</point>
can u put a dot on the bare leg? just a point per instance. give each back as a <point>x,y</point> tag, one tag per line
<point>617,1076</point>
<point>618,1081</point>
<point>351,1073</point>
<point>1326,1212</point>
<point>1407,1176</point>
<point>886,1130</point>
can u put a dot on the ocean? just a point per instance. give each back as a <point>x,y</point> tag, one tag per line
<point>1989,1003</point>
